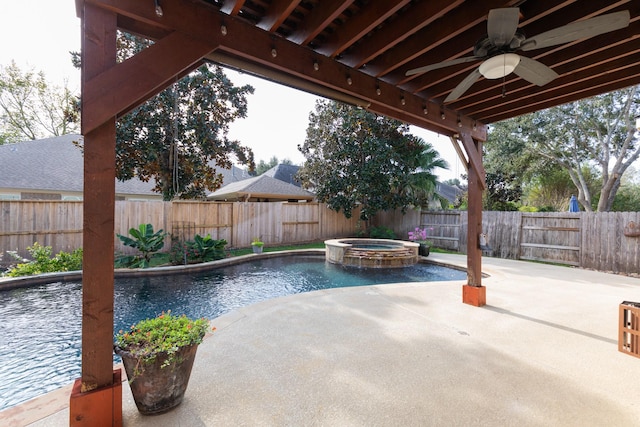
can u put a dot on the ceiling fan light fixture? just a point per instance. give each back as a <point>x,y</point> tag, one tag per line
<point>499,66</point>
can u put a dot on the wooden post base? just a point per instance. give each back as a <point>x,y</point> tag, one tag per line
<point>474,295</point>
<point>100,407</point>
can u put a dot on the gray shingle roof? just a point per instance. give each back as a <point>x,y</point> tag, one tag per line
<point>264,187</point>
<point>56,164</point>
<point>449,192</point>
<point>286,173</point>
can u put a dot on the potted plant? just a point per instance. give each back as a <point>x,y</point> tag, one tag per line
<point>158,355</point>
<point>257,245</point>
<point>419,235</point>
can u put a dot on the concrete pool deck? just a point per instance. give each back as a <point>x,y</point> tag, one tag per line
<point>543,352</point>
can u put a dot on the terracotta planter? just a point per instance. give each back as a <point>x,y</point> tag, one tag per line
<point>156,389</point>
<point>423,250</point>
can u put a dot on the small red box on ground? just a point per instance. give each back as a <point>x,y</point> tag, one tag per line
<point>629,328</point>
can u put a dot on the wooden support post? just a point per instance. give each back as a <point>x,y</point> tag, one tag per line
<point>473,292</point>
<point>99,389</point>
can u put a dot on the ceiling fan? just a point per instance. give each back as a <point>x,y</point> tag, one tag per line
<point>497,49</point>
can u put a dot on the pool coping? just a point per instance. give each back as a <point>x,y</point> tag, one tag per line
<point>7,283</point>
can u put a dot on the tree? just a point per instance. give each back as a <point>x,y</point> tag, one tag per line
<point>32,108</point>
<point>595,132</point>
<point>422,182</point>
<point>262,166</point>
<point>501,194</point>
<point>180,135</point>
<point>552,190</point>
<point>354,157</point>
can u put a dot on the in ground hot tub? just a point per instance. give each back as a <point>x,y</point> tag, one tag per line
<point>371,253</point>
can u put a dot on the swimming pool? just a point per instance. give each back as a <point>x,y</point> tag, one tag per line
<point>41,325</point>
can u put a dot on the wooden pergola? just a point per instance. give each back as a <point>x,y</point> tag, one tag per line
<point>356,51</point>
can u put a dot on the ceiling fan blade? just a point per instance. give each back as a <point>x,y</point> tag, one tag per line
<point>464,85</point>
<point>534,71</point>
<point>578,30</point>
<point>502,25</point>
<point>439,65</point>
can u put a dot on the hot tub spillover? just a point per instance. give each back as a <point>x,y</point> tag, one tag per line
<point>372,253</point>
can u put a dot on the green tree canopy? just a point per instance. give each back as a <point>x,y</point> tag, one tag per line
<point>179,136</point>
<point>354,157</point>
<point>595,133</point>
<point>33,108</point>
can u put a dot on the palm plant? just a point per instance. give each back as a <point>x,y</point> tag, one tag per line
<point>422,183</point>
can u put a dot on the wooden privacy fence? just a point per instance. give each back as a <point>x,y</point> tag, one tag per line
<point>59,224</point>
<point>601,241</point>
<point>604,241</point>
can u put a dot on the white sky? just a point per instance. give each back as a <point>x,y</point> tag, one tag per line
<point>40,34</point>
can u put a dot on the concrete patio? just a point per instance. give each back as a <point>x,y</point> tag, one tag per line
<point>543,352</point>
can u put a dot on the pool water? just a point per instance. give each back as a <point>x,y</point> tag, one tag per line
<point>41,325</point>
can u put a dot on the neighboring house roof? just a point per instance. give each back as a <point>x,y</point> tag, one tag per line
<point>56,165</point>
<point>53,164</point>
<point>262,188</point>
<point>449,192</point>
<point>286,173</point>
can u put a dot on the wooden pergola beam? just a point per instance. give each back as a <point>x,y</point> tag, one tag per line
<point>251,44</point>
<point>117,89</point>
<point>473,292</point>
<point>98,56</point>
<point>474,151</point>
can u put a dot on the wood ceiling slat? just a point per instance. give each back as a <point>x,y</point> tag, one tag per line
<point>565,84</point>
<point>589,55</point>
<point>537,18</point>
<point>232,7</point>
<point>370,16</point>
<point>448,77</point>
<point>585,55</point>
<point>620,79</point>
<point>404,25</point>
<point>320,18</point>
<point>278,11</point>
<point>420,43</point>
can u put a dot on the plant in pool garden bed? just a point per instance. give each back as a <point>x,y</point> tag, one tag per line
<point>144,240</point>
<point>158,354</point>
<point>419,235</point>
<point>201,249</point>
<point>382,232</point>
<point>44,262</point>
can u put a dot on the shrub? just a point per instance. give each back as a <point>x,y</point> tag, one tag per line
<point>43,262</point>
<point>546,209</point>
<point>382,232</point>
<point>201,249</point>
